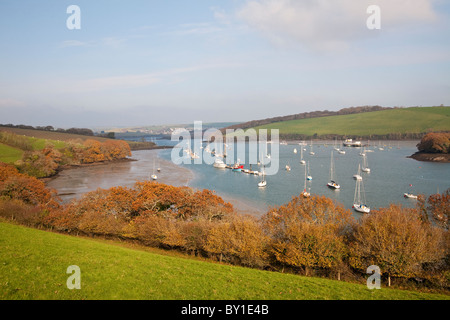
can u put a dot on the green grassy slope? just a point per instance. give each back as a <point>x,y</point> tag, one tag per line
<point>9,154</point>
<point>405,120</point>
<point>33,265</point>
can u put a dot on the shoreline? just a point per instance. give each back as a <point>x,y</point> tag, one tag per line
<point>431,157</point>
<point>70,181</point>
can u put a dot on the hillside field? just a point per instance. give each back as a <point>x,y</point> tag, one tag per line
<point>34,264</point>
<point>393,121</point>
<point>39,138</point>
<point>9,154</point>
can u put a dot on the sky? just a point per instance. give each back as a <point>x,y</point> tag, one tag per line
<point>136,63</point>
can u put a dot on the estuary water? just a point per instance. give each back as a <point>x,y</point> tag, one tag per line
<point>391,174</point>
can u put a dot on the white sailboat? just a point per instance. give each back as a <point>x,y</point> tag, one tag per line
<point>363,152</point>
<point>358,175</point>
<point>308,177</point>
<point>365,166</point>
<point>341,150</point>
<point>311,152</point>
<point>332,184</point>
<point>302,161</point>
<point>263,181</point>
<point>335,144</point>
<point>359,203</point>
<point>154,176</point>
<point>305,194</point>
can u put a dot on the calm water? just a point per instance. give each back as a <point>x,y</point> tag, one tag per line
<point>391,175</point>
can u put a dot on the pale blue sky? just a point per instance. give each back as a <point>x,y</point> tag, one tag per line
<point>161,62</point>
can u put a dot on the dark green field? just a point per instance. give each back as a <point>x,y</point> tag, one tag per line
<point>393,121</point>
<point>33,265</point>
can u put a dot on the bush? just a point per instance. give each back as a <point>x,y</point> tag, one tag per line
<point>398,241</point>
<point>308,233</point>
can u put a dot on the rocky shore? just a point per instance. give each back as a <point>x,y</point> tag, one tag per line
<point>433,157</point>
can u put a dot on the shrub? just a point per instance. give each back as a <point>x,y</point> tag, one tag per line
<point>398,241</point>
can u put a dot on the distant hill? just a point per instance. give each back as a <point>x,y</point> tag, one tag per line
<point>38,138</point>
<point>358,123</point>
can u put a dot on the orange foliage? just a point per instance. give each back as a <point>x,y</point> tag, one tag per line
<point>435,143</point>
<point>240,240</point>
<point>15,185</point>
<point>397,240</point>
<point>308,232</point>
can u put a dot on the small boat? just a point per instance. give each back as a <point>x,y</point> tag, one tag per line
<point>365,167</point>
<point>154,176</point>
<point>305,194</point>
<point>332,184</point>
<point>263,181</point>
<point>308,177</point>
<point>358,175</point>
<point>358,202</point>
<point>219,164</point>
<point>237,168</point>
<point>351,143</point>
<point>288,167</point>
<point>302,161</point>
<point>311,152</point>
<point>335,144</point>
<point>295,150</point>
<point>410,195</point>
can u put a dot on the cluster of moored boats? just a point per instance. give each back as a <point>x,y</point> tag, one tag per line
<point>359,201</point>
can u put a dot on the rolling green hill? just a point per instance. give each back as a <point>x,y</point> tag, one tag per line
<point>9,154</point>
<point>401,122</point>
<point>34,264</point>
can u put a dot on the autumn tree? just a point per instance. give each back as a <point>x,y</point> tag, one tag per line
<point>396,240</point>
<point>435,143</point>
<point>239,239</point>
<point>308,233</point>
<point>15,185</point>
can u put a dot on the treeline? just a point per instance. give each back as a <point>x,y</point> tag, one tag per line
<point>435,142</point>
<point>306,115</point>
<point>389,136</point>
<point>312,236</point>
<point>80,131</point>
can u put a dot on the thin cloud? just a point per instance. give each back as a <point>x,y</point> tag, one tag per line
<point>328,23</point>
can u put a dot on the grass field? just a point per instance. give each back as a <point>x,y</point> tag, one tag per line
<point>9,154</point>
<point>41,135</point>
<point>33,265</point>
<point>405,120</point>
